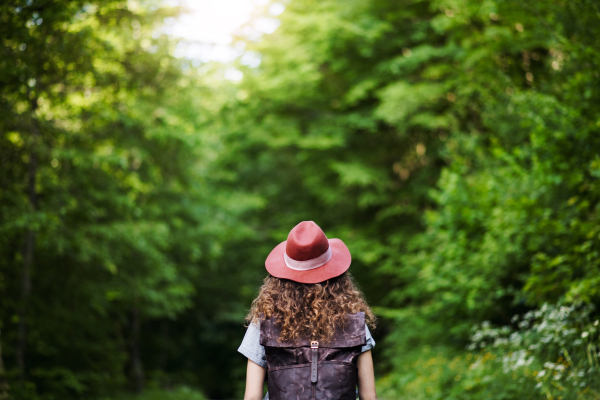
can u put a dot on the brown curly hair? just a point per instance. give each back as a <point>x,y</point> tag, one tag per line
<point>309,310</point>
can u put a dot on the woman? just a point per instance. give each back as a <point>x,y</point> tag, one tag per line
<point>308,326</point>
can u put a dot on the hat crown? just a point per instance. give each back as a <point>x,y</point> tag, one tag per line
<point>306,241</point>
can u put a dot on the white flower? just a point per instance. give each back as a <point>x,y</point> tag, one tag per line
<point>524,324</point>
<point>546,339</point>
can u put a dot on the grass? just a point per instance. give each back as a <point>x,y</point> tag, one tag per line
<point>180,393</point>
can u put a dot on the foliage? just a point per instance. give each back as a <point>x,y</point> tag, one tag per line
<point>181,393</point>
<point>452,144</point>
<point>551,352</point>
<point>104,173</point>
<point>467,113</point>
<point>556,348</point>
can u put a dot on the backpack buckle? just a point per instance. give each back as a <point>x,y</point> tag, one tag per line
<point>314,344</point>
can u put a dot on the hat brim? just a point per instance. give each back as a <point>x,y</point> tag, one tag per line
<point>338,264</point>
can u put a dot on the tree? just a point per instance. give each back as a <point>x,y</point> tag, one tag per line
<point>104,180</point>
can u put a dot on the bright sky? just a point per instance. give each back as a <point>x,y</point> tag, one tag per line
<point>209,27</point>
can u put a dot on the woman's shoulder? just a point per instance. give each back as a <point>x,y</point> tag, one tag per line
<point>370,342</point>
<point>251,347</point>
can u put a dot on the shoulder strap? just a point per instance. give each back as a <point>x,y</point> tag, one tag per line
<point>352,334</point>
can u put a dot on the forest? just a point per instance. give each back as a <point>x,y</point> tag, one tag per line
<point>453,145</point>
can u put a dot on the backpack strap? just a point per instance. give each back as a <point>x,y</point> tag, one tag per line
<point>314,349</point>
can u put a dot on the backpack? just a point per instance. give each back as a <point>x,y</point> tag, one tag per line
<point>309,370</point>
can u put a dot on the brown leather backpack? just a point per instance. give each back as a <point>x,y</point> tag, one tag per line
<point>305,370</point>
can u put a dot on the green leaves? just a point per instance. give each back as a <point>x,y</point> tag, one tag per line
<point>123,217</point>
<point>453,145</point>
<point>406,105</point>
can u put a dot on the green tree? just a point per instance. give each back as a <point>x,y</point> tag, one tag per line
<point>452,144</point>
<point>356,110</point>
<point>104,182</point>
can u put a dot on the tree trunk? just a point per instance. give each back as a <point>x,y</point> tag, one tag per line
<point>25,294</point>
<point>29,245</point>
<point>136,361</point>
<point>3,384</point>
<point>164,345</point>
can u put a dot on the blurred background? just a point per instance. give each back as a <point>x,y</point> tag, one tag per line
<point>152,153</point>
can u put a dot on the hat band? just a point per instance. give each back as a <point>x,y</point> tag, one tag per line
<point>308,264</point>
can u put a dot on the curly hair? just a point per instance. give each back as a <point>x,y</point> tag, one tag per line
<point>309,310</point>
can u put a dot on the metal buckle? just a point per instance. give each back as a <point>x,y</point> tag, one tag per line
<point>314,344</point>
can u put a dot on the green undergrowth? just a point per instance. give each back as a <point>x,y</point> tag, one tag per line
<point>180,393</point>
<point>550,353</point>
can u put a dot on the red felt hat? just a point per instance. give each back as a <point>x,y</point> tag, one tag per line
<point>307,256</point>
